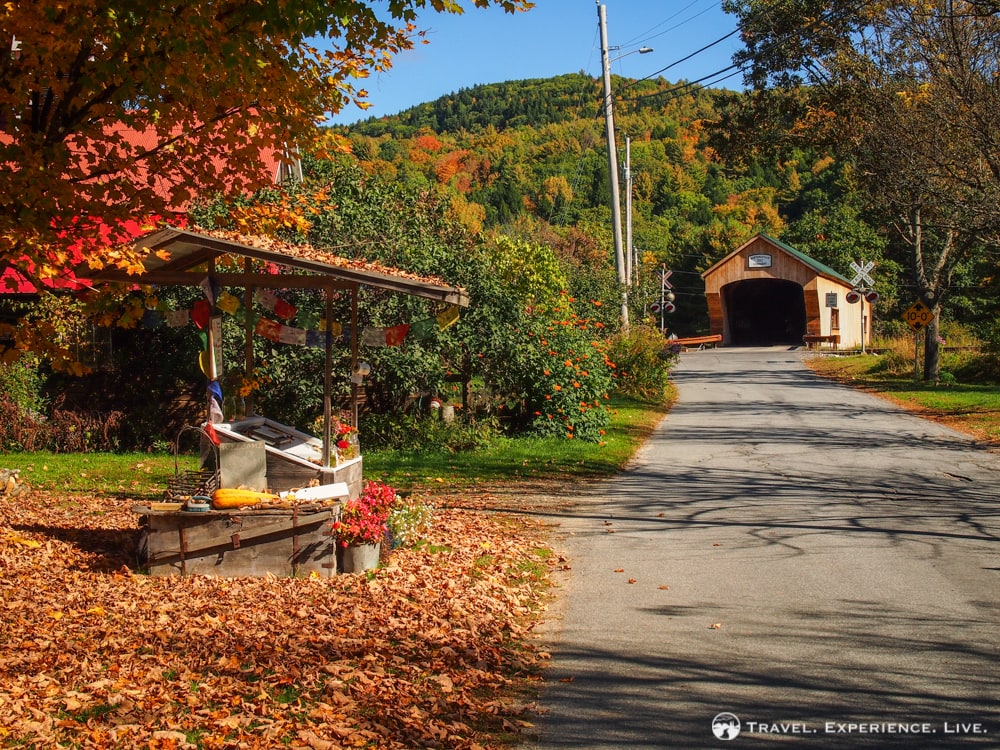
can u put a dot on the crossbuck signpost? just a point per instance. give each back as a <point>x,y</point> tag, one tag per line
<point>862,283</point>
<point>666,303</point>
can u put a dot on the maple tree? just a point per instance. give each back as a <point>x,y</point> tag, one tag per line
<point>111,111</point>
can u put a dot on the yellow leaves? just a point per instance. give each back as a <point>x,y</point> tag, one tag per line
<point>921,95</point>
<point>22,541</point>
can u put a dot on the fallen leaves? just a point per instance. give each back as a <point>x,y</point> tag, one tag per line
<point>426,652</point>
<point>310,253</point>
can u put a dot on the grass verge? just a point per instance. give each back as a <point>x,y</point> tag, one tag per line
<point>137,475</point>
<point>515,459</point>
<point>508,460</point>
<point>973,408</point>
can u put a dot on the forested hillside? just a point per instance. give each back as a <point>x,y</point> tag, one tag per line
<point>530,158</point>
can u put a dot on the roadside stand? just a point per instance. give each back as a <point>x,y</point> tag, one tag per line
<point>267,496</point>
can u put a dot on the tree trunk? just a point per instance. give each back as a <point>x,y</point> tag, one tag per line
<point>932,348</point>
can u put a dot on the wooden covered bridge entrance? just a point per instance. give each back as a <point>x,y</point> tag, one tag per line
<point>767,293</point>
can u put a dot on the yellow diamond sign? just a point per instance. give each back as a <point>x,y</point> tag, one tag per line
<point>918,316</point>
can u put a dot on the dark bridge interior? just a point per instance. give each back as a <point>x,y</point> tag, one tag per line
<point>765,312</point>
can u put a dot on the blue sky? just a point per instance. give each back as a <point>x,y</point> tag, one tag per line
<point>553,38</point>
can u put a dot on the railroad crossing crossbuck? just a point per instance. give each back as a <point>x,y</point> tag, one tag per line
<point>861,273</point>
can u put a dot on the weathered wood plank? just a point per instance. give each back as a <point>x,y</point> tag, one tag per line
<point>242,543</point>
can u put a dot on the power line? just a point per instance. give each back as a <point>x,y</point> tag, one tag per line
<point>646,36</point>
<point>679,90</point>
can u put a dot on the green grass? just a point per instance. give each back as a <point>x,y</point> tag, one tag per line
<point>514,459</point>
<point>508,459</point>
<point>970,407</point>
<point>132,474</point>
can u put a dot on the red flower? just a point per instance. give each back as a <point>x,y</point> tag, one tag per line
<point>364,520</point>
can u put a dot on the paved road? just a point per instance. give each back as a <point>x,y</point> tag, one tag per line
<point>789,551</point>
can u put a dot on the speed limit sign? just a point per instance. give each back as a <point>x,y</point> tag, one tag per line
<point>918,316</point>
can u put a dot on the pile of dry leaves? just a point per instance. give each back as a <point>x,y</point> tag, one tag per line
<point>431,650</point>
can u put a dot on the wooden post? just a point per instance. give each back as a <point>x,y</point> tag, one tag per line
<point>248,339</point>
<point>355,348</point>
<point>328,380</point>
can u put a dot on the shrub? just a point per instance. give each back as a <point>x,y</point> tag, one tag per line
<point>22,384</point>
<point>396,431</point>
<point>643,363</point>
<point>569,377</point>
<point>897,359</point>
<point>21,430</point>
<point>82,432</point>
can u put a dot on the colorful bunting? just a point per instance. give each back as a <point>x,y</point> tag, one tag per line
<point>373,337</point>
<point>336,329</point>
<point>228,303</point>
<point>290,335</point>
<point>394,336</point>
<point>448,317</point>
<point>421,330</point>
<point>311,328</point>
<point>266,299</point>
<point>285,310</point>
<point>273,303</point>
<point>200,313</point>
<point>178,318</point>
<point>268,329</point>
<point>152,319</point>
<point>211,288</point>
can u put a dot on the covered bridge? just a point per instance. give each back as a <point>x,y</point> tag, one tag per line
<point>767,293</point>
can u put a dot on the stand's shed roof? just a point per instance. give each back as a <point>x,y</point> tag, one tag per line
<point>180,257</point>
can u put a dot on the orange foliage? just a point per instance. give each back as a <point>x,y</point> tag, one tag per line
<point>428,142</point>
<point>418,654</point>
<point>106,113</point>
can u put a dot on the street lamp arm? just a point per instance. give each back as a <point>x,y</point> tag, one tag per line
<point>641,51</point>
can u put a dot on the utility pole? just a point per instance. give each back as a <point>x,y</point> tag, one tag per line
<point>628,211</point>
<point>609,119</point>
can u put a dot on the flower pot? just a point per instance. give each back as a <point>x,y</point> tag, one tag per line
<point>357,558</point>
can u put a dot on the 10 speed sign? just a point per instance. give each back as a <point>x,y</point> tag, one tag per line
<point>918,316</point>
